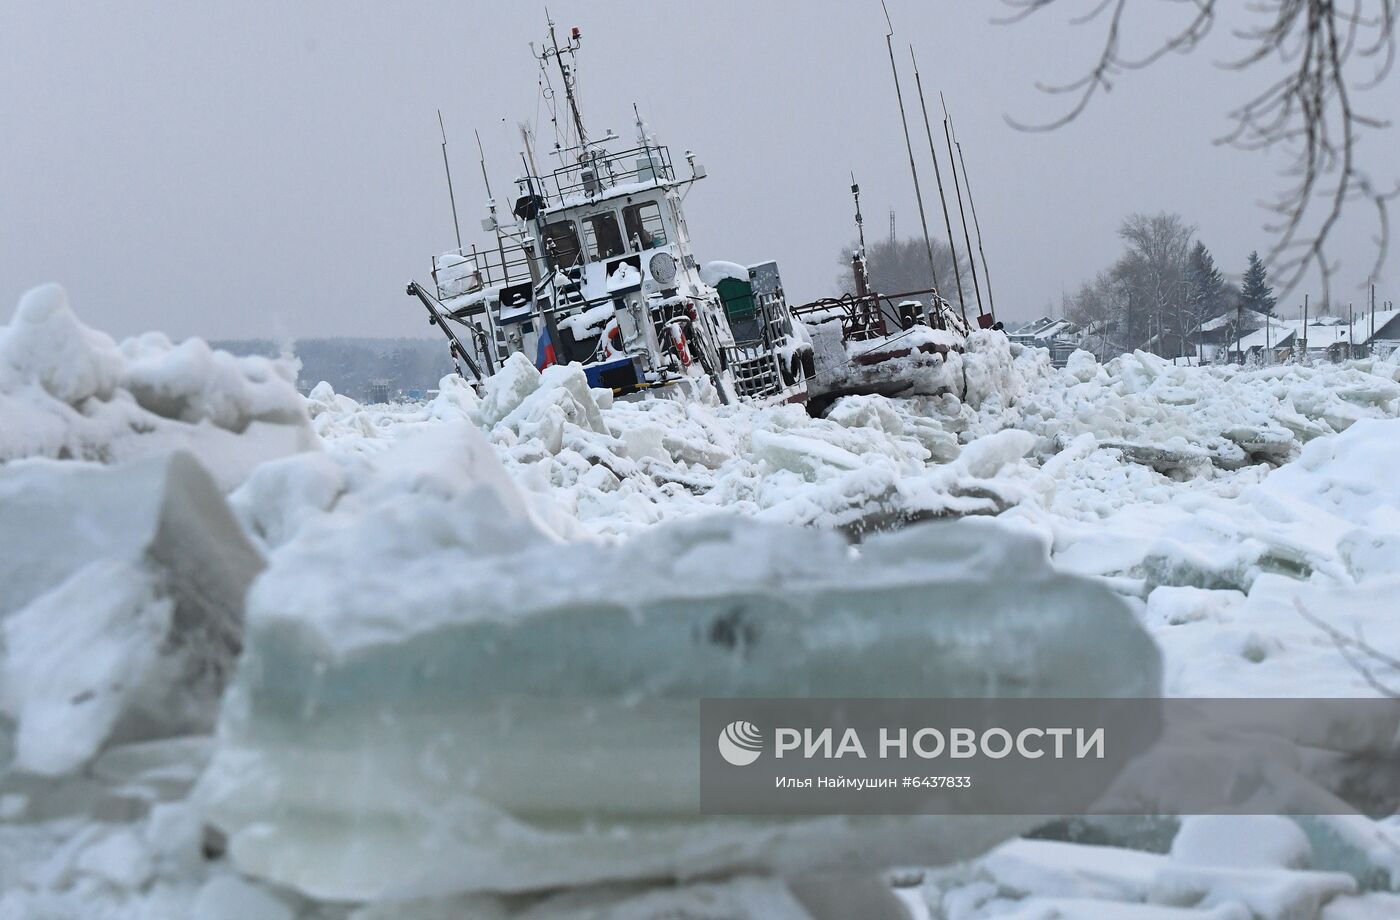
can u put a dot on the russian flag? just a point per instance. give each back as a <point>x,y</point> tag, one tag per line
<point>544,351</point>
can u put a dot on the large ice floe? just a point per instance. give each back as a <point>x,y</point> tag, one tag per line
<point>294,658</point>
<point>480,707</point>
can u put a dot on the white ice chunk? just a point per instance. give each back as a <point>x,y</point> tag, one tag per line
<point>77,660</point>
<point>1241,842</point>
<point>122,615</point>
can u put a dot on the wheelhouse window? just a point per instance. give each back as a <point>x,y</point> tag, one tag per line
<point>561,238</point>
<point>644,225</point>
<point>601,237</point>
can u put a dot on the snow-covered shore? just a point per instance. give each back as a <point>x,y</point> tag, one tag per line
<point>1233,515</point>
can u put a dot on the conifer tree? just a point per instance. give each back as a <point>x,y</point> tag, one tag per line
<point>1206,285</point>
<point>1256,294</point>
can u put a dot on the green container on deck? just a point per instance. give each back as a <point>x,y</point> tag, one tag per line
<point>737,297</point>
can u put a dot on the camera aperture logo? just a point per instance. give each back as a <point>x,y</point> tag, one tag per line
<point>740,743</point>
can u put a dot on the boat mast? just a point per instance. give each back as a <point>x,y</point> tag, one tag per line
<point>860,221</point>
<point>565,73</point>
<point>938,174</point>
<point>485,179</point>
<point>986,272</point>
<point>913,169</point>
<point>858,263</point>
<point>967,238</point>
<point>456,225</point>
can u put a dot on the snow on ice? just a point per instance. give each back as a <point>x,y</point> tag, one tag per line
<point>1243,518</point>
<point>71,392</point>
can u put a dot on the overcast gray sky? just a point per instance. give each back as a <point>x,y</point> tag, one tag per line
<point>272,168</point>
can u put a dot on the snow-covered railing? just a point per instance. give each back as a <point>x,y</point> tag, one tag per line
<point>602,170</point>
<point>466,271</point>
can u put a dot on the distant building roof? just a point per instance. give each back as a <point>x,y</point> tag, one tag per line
<point>1045,327</point>
<point>1322,333</point>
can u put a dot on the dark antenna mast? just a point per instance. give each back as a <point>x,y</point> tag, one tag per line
<point>860,221</point>
<point>938,173</point>
<point>859,268</point>
<point>447,166</point>
<point>914,170</point>
<point>967,238</point>
<point>986,272</point>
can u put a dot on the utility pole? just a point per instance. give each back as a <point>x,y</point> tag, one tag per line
<point>1239,330</point>
<point>938,174</point>
<point>909,146</point>
<point>1305,326</point>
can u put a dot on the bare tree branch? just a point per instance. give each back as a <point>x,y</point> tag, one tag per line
<point>1363,657</point>
<point>1323,48</point>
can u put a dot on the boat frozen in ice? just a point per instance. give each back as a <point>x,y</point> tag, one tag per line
<point>594,264</point>
<point>868,342</point>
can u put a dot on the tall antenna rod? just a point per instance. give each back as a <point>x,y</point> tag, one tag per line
<point>986,272</point>
<point>914,170</point>
<point>528,157</point>
<point>938,174</point>
<point>447,166</point>
<point>567,78</point>
<point>967,238</point>
<point>482,153</point>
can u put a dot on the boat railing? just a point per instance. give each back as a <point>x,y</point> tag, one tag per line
<point>861,317</point>
<point>866,317</point>
<point>474,268</point>
<point>601,170</point>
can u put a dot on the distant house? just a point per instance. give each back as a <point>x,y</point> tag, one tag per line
<point>1386,338</point>
<point>1216,335</point>
<point>1326,338</point>
<point>1058,336</point>
<point>1273,341</point>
